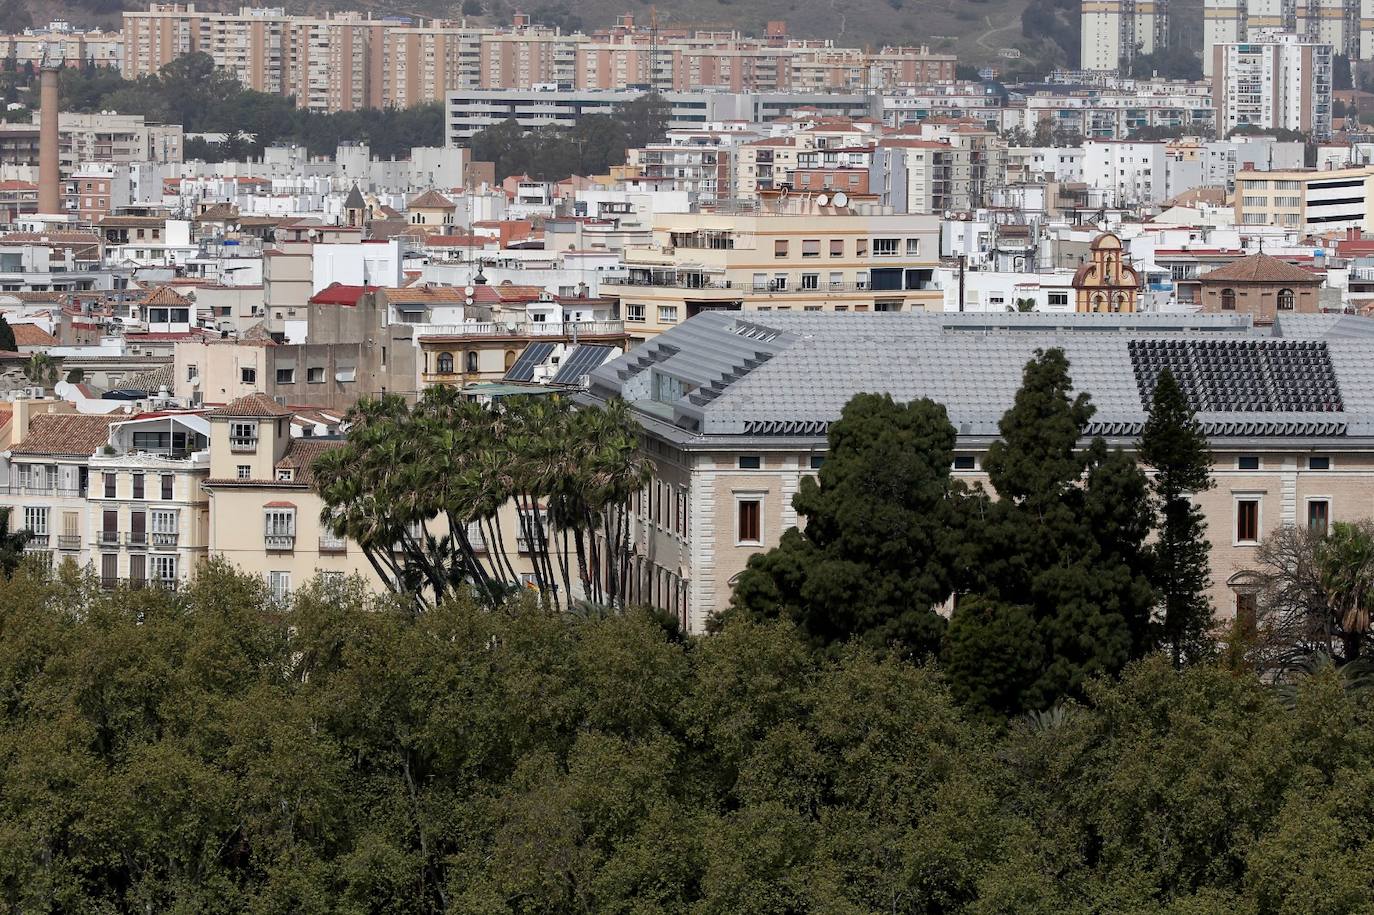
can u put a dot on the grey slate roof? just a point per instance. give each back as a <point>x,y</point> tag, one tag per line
<point>788,374</point>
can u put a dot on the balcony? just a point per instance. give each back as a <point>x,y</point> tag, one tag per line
<point>165,539</point>
<point>43,489</point>
<point>37,542</point>
<point>523,329</point>
<point>68,542</point>
<point>243,445</point>
<point>137,540</point>
<point>107,538</point>
<point>279,542</point>
<point>333,545</point>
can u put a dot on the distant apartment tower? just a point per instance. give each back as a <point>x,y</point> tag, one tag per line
<point>1346,25</point>
<point>1278,83</point>
<point>1115,31</point>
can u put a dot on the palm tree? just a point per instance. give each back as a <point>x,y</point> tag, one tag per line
<point>1345,564</point>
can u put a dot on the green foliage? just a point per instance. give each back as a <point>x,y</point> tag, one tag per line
<point>1341,72</point>
<point>1057,23</point>
<point>11,543</point>
<point>1173,62</point>
<point>1063,544</point>
<point>202,751</point>
<point>411,481</point>
<point>594,144</point>
<point>191,92</point>
<point>7,344</point>
<point>1174,446</point>
<point>881,534</point>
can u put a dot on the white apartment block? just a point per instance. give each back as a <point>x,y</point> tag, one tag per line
<point>1126,174</point>
<point>1114,31</point>
<point>1346,25</point>
<point>1278,82</point>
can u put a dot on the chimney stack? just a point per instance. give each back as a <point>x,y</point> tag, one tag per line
<point>49,200</point>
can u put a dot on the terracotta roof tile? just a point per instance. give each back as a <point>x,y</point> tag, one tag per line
<point>301,454</point>
<point>74,434</point>
<point>1260,268</point>
<point>251,406</point>
<point>431,200</point>
<point>32,335</point>
<point>165,295</point>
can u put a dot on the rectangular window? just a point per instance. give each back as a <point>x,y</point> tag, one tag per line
<point>138,570</point>
<point>811,247</point>
<point>810,281</point>
<point>191,372</point>
<point>248,375</point>
<point>110,485</point>
<point>139,492</point>
<point>167,479</point>
<point>1319,463</point>
<point>279,528</point>
<point>36,520</point>
<point>279,583</point>
<point>245,471</point>
<point>816,461</point>
<point>109,571</point>
<point>837,247</point>
<point>109,526</point>
<point>965,462</point>
<point>667,314</point>
<point>1057,298</point>
<point>138,528</point>
<point>885,247</point>
<point>286,376</point>
<point>1318,515</point>
<point>750,462</point>
<point>749,521</point>
<point>314,375</point>
<point>164,569</point>
<point>634,312</point>
<point>1248,462</point>
<point>1247,520</point>
<point>861,247</point>
<point>1247,611</point>
<point>913,247</point>
<point>780,247</point>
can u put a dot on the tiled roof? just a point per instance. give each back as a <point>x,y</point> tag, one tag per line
<point>301,454</point>
<point>1260,268</point>
<point>32,335</point>
<point>431,200</point>
<point>165,295</point>
<point>790,374</point>
<point>151,381</point>
<point>251,406</point>
<point>426,293</point>
<point>340,294</point>
<point>354,200</point>
<point>72,434</point>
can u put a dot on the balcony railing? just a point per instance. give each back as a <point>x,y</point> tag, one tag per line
<point>43,489</point>
<point>279,541</point>
<point>107,538</point>
<point>522,329</point>
<point>165,539</point>
<point>333,545</point>
<point>68,542</point>
<point>240,445</point>
<point>37,542</point>
<point>137,540</point>
<point>771,287</point>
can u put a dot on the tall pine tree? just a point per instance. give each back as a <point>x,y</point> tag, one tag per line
<point>1060,560</point>
<point>1175,447</point>
<point>882,530</point>
<point>7,344</point>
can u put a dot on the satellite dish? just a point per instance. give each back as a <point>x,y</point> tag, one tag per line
<point>822,200</point>
<point>841,199</point>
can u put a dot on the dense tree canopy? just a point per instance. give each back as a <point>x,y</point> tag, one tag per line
<point>210,751</point>
<point>879,546</point>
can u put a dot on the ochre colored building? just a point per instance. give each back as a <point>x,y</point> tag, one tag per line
<point>1106,283</point>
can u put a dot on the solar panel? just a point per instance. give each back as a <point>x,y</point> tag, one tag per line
<point>581,361</point>
<point>1242,376</point>
<point>533,357</point>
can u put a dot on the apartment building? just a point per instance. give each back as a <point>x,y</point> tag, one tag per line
<point>123,139</point>
<point>1346,25</point>
<point>1307,201</point>
<point>736,409</point>
<point>1274,82</point>
<point>1114,31</point>
<point>798,256</point>
<point>47,473</point>
<point>922,176</point>
<point>145,500</point>
<point>60,42</point>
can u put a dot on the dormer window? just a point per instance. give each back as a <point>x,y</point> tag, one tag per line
<point>285,474</point>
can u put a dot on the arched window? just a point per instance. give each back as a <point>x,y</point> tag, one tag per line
<point>1286,300</point>
<point>510,358</point>
<point>472,362</point>
<point>445,363</point>
<point>1228,300</point>
<point>1119,301</point>
<point>1099,301</point>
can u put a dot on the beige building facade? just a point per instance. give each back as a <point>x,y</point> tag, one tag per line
<point>805,258</point>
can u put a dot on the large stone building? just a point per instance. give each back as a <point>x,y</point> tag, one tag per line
<point>736,408</point>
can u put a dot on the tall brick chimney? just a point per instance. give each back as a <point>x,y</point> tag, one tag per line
<point>49,197</point>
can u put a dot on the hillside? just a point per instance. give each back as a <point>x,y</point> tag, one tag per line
<point>976,30</point>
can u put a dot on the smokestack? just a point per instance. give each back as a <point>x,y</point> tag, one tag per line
<point>49,200</point>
